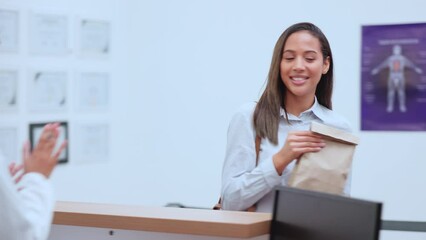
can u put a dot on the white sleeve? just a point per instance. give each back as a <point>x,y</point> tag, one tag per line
<point>244,183</point>
<point>26,214</point>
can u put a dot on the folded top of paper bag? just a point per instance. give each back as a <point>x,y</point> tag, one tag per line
<point>335,133</point>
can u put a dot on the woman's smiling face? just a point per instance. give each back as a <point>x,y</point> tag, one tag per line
<point>302,64</point>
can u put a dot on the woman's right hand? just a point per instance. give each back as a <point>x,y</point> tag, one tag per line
<point>296,144</point>
<point>43,158</point>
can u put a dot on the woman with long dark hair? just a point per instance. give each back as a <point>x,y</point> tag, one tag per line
<point>298,91</point>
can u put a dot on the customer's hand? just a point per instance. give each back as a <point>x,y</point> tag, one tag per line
<point>15,171</point>
<point>43,158</point>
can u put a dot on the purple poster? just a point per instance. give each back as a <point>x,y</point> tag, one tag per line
<point>393,77</point>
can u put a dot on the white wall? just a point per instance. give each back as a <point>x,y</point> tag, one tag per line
<point>196,62</point>
<point>181,68</point>
<point>94,182</point>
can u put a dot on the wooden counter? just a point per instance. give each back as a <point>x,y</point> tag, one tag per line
<point>163,219</point>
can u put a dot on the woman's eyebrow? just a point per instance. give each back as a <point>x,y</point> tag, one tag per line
<point>307,51</point>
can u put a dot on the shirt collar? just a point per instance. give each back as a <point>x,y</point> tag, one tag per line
<point>316,109</point>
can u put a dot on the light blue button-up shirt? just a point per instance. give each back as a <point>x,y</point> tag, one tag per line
<point>245,184</point>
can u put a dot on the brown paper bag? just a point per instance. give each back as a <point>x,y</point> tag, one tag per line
<point>328,169</point>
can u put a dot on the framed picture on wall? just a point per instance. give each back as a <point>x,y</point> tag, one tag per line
<point>49,34</point>
<point>35,133</point>
<point>8,90</point>
<point>92,142</point>
<point>92,91</point>
<point>47,91</point>
<point>9,143</point>
<point>94,38</point>
<point>9,29</point>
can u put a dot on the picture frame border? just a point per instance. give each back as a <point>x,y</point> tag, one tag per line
<point>35,126</point>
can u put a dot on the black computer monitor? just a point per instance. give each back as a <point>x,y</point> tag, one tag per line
<point>308,215</point>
